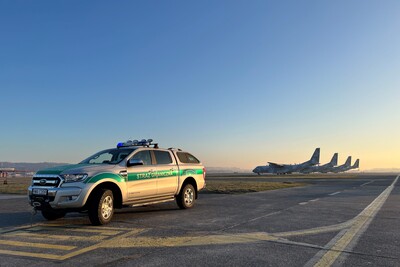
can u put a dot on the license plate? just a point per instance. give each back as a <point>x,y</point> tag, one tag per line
<point>39,192</point>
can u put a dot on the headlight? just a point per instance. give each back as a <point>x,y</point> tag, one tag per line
<point>69,178</point>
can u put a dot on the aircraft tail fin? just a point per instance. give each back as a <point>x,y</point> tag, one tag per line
<point>348,162</point>
<point>334,159</point>
<point>356,164</point>
<point>315,157</point>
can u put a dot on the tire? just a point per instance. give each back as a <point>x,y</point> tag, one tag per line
<point>186,197</point>
<point>52,215</point>
<point>101,207</point>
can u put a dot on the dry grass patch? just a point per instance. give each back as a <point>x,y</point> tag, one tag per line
<point>15,185</point>
<point>286,176</point>
<point>240,187</point>
<point>19,185</point>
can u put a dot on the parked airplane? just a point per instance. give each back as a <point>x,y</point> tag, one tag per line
<point>286,168</point>
<point>356,165</point>
<point>342,168</point>
<point>322,168</point>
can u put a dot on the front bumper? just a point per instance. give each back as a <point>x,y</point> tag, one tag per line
<point>57,198</point>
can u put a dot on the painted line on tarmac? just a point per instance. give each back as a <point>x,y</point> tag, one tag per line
<point>43,236</point>
<point>316,230</point>
<point>347,239</point>
<point>332,194</point>
<point>35,245</point>
<point>83,230</point>
<point>306,202</point>
<point>367,183</point>
<point>104,244</point>
<point>98,239</point>
<point>29,254</point>
<point>10,230</point>
<point>96,231</point>
<point>62,224</point>
<point>254,219</point>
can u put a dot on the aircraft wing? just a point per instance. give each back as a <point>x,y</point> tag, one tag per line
<point>275,165</point>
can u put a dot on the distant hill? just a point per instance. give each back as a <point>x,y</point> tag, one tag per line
<point>30,167</point>
<point>225,169</point>
<point>396,170</point>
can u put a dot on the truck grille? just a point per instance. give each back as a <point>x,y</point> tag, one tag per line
<point>46,181</point>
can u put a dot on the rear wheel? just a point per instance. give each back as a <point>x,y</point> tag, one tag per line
<point>52,215</point>
<point>101,207</point>
<point>186,197</point>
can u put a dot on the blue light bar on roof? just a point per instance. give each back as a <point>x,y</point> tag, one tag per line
<point>142,142</point>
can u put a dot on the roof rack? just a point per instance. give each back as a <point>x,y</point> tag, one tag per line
<point>143,142</point>
<point>174,148</point>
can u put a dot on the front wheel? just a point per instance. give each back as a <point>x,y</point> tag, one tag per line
<point>101,207</point>
<point>186,197</point>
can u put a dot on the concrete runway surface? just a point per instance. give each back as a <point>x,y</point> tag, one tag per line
<point>330,222</point>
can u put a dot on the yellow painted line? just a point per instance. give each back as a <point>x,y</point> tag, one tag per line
<point>230,239</point>
<point>80,226</point>
<point>104,244</point>
<point>95,238</point>
<point>103,232</point>
<point>35,245</point>
<point>361,222</point>
<point>70,229</point>
<point>317,230</point>
<point>82,230</point>
<point>184,241</point>
<point>8,230</point>
<point>30,254</point>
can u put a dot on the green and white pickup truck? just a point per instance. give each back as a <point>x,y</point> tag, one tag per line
<point>135,173</point>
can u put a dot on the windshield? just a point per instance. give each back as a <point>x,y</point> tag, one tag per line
<point>109,156</point>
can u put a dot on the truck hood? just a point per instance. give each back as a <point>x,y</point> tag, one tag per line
<point>90,169</point>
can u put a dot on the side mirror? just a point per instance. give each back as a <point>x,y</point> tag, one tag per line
<point>134,162</point>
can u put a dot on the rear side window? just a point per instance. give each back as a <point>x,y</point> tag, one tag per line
<point>187,158</point>
<point>162,157</point>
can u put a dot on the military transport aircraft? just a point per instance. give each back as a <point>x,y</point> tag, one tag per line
<point>342,168</point>
<point>322,168</point>
<point>355,166</point>
<point>287,168</point>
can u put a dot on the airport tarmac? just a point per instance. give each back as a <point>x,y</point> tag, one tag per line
<point>330,222</point>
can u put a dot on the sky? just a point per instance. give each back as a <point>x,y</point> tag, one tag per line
<point>236,83</point>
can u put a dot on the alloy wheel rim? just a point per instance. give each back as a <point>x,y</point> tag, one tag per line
<point>189,196</point>
<point>107,207</point>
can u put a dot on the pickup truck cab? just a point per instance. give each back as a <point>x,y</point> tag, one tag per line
<point>132,174</point>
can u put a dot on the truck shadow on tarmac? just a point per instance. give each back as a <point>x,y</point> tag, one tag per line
<point>15,219</point>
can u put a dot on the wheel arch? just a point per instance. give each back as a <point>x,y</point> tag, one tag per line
<point>192,181</point>
<point>117,194</point>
